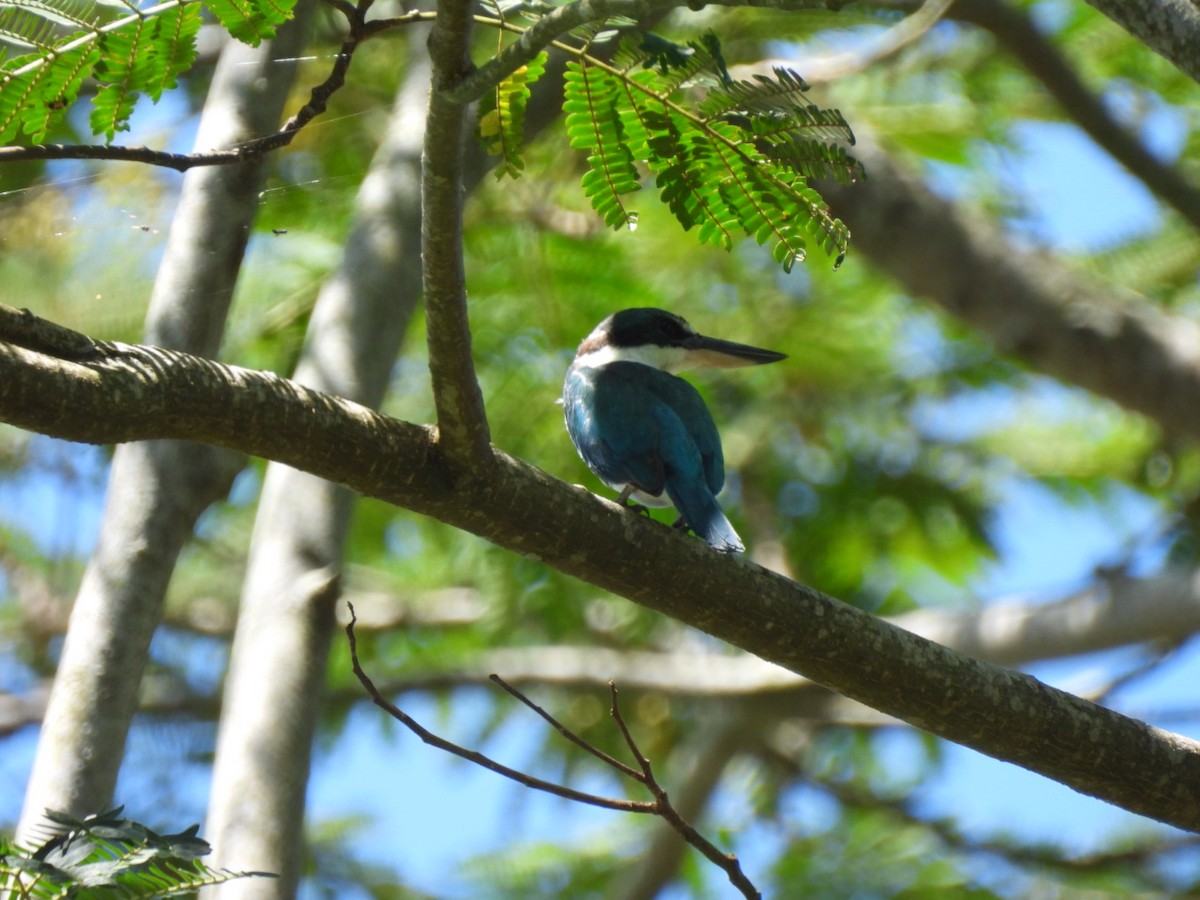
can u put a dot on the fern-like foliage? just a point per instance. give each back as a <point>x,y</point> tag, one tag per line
<point>130,50</point>
<point>593,112</point>
<point>734,164</point>
<point>109,856</point>
<point>502,117</point>
<point>251,21</point>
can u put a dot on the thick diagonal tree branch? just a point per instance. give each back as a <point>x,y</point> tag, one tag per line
<point>113,393</point>
<point>1171,28</point>
<point>1088,334</point>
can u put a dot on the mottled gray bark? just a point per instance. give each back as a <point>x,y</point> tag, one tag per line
<point>157,489</point>
<point>1171,28</point>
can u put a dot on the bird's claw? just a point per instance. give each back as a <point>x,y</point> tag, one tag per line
<point>639,509</point>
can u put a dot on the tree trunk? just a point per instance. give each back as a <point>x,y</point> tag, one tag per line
<point>158,489</point>
<point>280,648</point>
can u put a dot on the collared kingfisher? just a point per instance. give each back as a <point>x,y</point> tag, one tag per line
<point>644,431</point>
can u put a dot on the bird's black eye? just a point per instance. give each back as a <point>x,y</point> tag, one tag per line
<point>676,329</point>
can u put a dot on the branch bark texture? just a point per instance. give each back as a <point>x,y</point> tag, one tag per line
<point>462,419</point>
<point>143,392</point>
<point>1171,28</point>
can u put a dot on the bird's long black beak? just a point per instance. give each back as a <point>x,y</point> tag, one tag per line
<point>708,352</point>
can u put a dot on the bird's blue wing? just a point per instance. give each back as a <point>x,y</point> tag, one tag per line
<point>697,420</point>
<point>608,418</point>
<point>627,420</point>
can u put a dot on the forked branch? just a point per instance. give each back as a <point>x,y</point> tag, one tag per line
<point>642,774</point>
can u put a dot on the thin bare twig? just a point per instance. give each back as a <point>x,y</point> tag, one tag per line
<point>726,861</point>
<point>571,736</point>
<point>474,756</point>
<point>660,806</point>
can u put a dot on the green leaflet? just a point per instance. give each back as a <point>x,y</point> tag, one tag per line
<point>251,21</point>
<point>129,53</point>
<point>31,102</point>
<point>592,105</point>
<point>124,65</point>
<point>502,117</point>
<point>143,58</point>
<point>734,165</point>
<point>175,43</point>
<point>110,856</point>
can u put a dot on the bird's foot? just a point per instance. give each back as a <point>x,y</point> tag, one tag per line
<point>623,500</point>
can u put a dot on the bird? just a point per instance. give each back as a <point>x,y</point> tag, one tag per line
<point>646,432</point>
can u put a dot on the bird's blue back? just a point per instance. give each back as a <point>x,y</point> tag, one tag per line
<point>634,424</point>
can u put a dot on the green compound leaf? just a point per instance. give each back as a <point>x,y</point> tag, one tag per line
<point>592,107</point>
<point>735,163</point>
<point>145,58</point>
<point>32,102</point>
<point>251,21</point>
<point>502,117</point>
<point>130,52</point>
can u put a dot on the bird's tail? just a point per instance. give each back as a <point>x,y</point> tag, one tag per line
<point>703,515</point>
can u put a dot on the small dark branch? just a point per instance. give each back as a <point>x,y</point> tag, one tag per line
<point>478,758</point>
<point>346,8</point>
<point>662,805</point>
<point>614,710</point>
<point>463,434</point>
<point>317,103</point>
<point>318,100</point>
<point>571,736</point>
<point>180,162</point>
<point>378,26</point>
